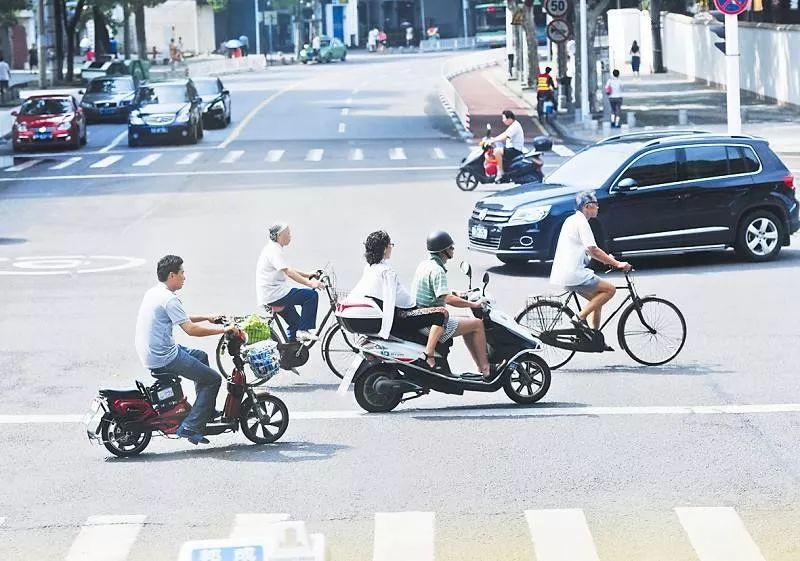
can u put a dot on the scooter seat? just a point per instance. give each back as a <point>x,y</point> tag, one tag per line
<point>422,339</point>
<point>120,394</point>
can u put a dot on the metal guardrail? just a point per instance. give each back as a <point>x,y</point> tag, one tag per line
<point>454,44</point>
<point>452,101</point>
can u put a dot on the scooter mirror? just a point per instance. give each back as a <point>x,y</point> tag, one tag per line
<point>466,268</point>
<point>485,281</point>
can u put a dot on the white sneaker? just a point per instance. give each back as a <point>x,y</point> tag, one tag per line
<point>306,336</point>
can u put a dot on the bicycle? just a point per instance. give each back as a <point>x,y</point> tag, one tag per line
<point>338,350</point>
<point>644,324</point>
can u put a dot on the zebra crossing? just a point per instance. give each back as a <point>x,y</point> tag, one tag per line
<point>714,533</point>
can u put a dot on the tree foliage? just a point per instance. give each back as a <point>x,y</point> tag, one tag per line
<point>8,11</point>
<point>523,13</point>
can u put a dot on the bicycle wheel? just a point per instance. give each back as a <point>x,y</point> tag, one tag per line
<point>660,340</point>
<point>547,315</point>
<point>338,350</point>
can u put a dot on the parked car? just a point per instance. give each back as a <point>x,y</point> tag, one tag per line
<point>166,112</point>
<point>669,192</point>
<point>216,102</point>
<point>108,98</point>
<point>329,49</point>
<point>48,120</point>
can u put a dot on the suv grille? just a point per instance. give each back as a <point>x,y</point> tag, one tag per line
<point>491,215</point>
<point>159,119</point>
<point>492,242</point>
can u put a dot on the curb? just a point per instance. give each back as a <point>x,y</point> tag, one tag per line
<point>464,133</point>
<point>463,129</point>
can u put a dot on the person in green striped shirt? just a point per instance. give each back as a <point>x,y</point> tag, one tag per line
<point>431,289</point>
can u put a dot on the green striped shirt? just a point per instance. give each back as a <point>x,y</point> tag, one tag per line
<point>430,283</point>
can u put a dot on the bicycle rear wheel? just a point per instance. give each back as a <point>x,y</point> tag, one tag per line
<point>338,350</point>
<point>547,315</point>
<point>660,340</point>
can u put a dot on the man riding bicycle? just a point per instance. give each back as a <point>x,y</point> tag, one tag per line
<point>160,311</point>
<point>575,250</point>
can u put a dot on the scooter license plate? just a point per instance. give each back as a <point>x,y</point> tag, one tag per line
<point>480,232</point>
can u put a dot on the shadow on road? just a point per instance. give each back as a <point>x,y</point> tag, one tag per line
<point>693,369</point>
<point>278,453</point>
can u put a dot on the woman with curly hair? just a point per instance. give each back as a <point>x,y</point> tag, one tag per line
<point>400,313</point>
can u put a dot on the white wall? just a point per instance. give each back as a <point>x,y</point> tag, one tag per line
<point>766,66</point>
<point>625,27</point>
<point>180,18</point>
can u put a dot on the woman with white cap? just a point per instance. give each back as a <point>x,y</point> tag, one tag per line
<point>273,288</point>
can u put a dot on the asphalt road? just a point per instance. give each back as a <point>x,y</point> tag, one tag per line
<point>614,464</point>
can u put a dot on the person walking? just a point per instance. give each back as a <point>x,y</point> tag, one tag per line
<point>409,36</point>
<point>636,58</point>
<point>33,57</point>
<point>372,40</point>
<point>5,78</point>
<point>614,92</point>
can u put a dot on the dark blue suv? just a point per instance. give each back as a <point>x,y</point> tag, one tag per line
<point>665,192</point>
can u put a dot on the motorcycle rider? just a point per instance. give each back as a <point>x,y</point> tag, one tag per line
<point>431,289</point>
<point>159,312</point>
<point>273,289</point>
<point>575,249</point>
<point>514,139</point>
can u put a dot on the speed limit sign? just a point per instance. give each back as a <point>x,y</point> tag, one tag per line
<point>556,8</point>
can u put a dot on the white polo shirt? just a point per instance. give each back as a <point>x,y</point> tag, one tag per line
<point>570,264</point>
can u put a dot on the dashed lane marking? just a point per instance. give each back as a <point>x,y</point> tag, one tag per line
<point>189,158</point>
<point>397,154</point>
<point>356,154</point>
<point>114,142</point>
<point>24,165</point>
<point>563,151</point>
<point>250,116</point>
<point>718,534</point>
<point>105,162</point>
<point>66,163</point>
<point>315,155</point>
<point>561,535</point>
<point>345,111</point>
<point>403,536</point>
<point>342,127</point>
<point>106,538</point>
<point>438,154</point>
<point>232,156</point>
<point>147,160</point>
<point>275,155</point>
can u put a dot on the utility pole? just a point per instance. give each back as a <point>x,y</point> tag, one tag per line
<point>258,27</point>
<point>465,5</point>
<point>732,70</point>
<point>584,62</point>
<point>41,47</point>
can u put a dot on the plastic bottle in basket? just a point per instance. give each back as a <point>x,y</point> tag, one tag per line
<point>264,359</point>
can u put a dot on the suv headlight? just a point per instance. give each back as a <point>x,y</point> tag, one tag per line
<point>87,104</point>
<point>136,118</point>
<point>530,214</point>
<point>127,100</point>
<point>183,117</point>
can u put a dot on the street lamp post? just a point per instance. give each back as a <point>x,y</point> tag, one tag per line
<point>258,27</point>
<point>465,5</point>
<point>584,62</point>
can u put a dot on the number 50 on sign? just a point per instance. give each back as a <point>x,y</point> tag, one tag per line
<point>556,8</point>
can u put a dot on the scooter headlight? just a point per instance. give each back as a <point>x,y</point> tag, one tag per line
<point>530,214</point>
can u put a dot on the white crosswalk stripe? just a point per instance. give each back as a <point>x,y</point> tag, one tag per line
<point>24,165</point>
<point>106,538</point>
<point>189,158</point>
<point>253,525</point>
<point>147,160</point>
<point>356,154</point>
<point>275,155</point>
<point>315,155</point>
<point>342,127</point>
<point>232,156</point>
<point>718,534</point>
<point>404,536</point>
<point>561,535</point>
<point>562,150</point>
<point>106,162</point>
<point>437,154</point>
<point>397,154</point>
<point>68,162</point>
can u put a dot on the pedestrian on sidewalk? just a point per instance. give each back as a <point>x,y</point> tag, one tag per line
<point>636,59</point>
<point>5,77</point>
<point>614,93</point>
<point>513,138</point>
<point>33,57</point>
<point>372,40</point>
<point>113,47</point>
<point>409,36</point>
<point>545,91</point>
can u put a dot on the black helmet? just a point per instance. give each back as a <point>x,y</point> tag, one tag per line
<point>439,241</point>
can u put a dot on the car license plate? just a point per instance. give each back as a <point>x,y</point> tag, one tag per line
<point>107,110</point>
<point>158,130</point>
<point>480,232</point>
<point>43,136</point>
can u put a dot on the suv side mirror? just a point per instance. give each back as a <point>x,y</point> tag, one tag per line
<point>81,92</point>
<point>627,184</point>
<point>226,92</point>
<point>14,113</point>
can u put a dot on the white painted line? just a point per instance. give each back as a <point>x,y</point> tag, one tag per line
<point>355,91</point>
<point>24,165</point>
<point>189,158</point>
<point>250,116</point>
<point>345,111</point>
<point>315,155</point>
<point>106,538</point>
<point>356,154</point>
<point>232,156</point>
<point>718,534</point>
<point>105,162</point>
<point>114,142</point>
<point>404,536</point>
<point>397,154</point>
<point>561,535</point>
<point>438,154</point>
<point>147,160</point>
<point>254,525</point>
<point>562,150</point>
<point>349,101</point>
<point>275,155</point>
<point>67,163</point>
<point>342,127</point>
<point>2,521</point>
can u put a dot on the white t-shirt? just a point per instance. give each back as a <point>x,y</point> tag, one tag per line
<point>5,71</point>
<point>616,87</point>
<point>516,136</point>
<point>272,283</point>
<point>160,311</point>
<point>571,259</point>
<point>380,281</point>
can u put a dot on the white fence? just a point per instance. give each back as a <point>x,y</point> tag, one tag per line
<point>454,44</point>
<point>227,65</point>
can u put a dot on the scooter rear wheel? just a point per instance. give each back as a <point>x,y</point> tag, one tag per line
<point>123,443</point>
<point>372,400</point>
<point>275,413</point>
<point>529,381</point>
<point>466,180</point>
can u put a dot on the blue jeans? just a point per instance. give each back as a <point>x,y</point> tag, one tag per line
<point>308,300</point>
<point>192,364</point>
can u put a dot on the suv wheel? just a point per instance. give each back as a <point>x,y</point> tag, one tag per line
<point>759,236</point>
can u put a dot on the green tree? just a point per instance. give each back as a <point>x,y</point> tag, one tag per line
<point>8,11</point>
<point>522,14</point>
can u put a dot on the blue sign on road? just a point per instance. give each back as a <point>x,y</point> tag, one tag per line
<point>243,553</point>
<point>732,7</point>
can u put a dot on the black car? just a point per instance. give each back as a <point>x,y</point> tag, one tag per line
<point>669,192</point>
<point>166,112</point>
<point>108,99</point>
<point>216,102</point>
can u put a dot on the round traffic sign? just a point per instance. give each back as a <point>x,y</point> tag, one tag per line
<point>556,8</point>
<point>559,30</point>
<point>732,7</point>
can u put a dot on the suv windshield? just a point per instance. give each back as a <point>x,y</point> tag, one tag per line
<point>45,107</point>
<point>207,87</point>
<point>162,94</point>
<point>592,167</point>
<point>115,85</point>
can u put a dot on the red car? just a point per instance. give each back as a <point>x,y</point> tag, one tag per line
<point>48,120</point>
